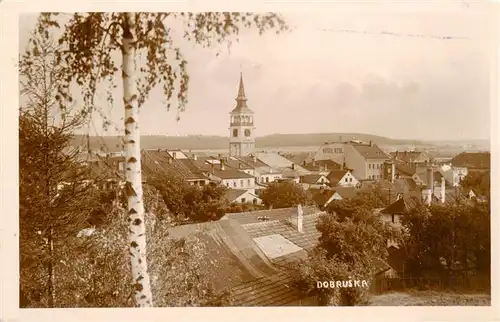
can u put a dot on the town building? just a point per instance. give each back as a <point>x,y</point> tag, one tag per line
<point>241,126</point>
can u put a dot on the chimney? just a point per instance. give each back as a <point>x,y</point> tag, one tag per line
<point>304,163</point>
<point>443,190</point>
<point>195,157</point>
<point>240,166</point>
<point>212,167</point>
<point>393,172</point>
<point>371,143</point>
<point>406,153</point>
<point>314,163</point>
<point>293,166</point>
<point>254,159</point>
<point>298,218</point>
<point>220,155</point>
<point>222,165</point>
<point>430,179</point>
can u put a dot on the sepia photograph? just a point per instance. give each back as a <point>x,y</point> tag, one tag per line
<point>320,158</point>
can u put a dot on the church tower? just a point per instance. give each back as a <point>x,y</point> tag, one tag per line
<point>241,138</point>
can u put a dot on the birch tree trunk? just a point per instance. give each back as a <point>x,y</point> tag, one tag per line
<point>135,206</point>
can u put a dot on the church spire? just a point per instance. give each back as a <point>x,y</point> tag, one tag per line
<point>241,90</point>
<point>241,99</point>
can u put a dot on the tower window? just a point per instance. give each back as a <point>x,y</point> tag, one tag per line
<point>247,132</point>
<point>235,133</point>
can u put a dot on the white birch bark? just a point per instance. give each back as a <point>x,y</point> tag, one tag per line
<point>135,206</point>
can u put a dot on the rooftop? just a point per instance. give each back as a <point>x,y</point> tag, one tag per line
<point>336,175</point>
<point>472,160</point>
<point>370,151</point>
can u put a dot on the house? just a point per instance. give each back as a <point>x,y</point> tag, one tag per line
<point>473,161</point>
<point>161,163</point>
<point>313,181</point>
<point>342,178</point>
<point>231,178</point>
<point>344,193</point>
<point>264,173</point>
<point>242,196</point>
<point>237,164</point>
<point>453,174</point>
<point>323,197</point>
<point>287,168</point>
<point>365,159</point>
<point>285,236</point>
<point>299,157</point>
<point>411,157</point>
<point>322,166</point>
<point>398,208</point>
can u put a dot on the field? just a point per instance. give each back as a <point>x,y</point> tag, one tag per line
<point>430,298</point>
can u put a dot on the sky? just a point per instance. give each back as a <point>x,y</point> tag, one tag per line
<point>346,71</point>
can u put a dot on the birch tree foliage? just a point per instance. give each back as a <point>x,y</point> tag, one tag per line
<point>87,41</point>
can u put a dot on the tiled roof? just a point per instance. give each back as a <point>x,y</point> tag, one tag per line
<point>289,173</point>
<point>237,259</point>
<point>406,156</point>
<point>275,290</point>
<point>402,205</point>
<point>320,164</point>
<point>277,161</point>
<point>336,175</point>
<point>250,161</point>
<point>232,194</point>
<point>158,162</point>
<point>310,178</point>
<point>305,240</point>
<point>229,173</point>
<point>405,169</point>
<point>234,163</point>
<point>346,192</point>
<point>472,160</point>
<point>321,196</point>
<point>251,217</point>
<point>299,157</point>
<point>368,151</point>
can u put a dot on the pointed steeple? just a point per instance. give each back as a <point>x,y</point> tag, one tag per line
<point>241,90</point>
<point>241,100</point>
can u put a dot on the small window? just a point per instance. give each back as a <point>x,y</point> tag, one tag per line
<point>392,219</point>
<point>248,182</point>
<point>227,184</point>
<point>254,201</point>
<point>346,179</point>
<point>243,200</point>
<point>267,179</point>
<point>234,184</point>
<point>235,133</point>
<point>241,183</point>
<point>350,179</point>
<point>369,165</point>
<point>247,132</point>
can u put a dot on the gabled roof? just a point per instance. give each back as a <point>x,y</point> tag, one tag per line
<point>158,162</point>
<point>311,178</point>
<point>472,160</point>
<point>235,163</point>
<point>277,161</point>
<point>406,156</point>
<point>259,216</point>
<point>405,169</point>
<point>237,258</point>
<point>370,152</point>
<point>336,175</point>
<point>229,173</point>
<point>401,205</point>
<point>233,194</point>
<point>299,157</point>
<point>321,196</point>
<point>346,192</point>
<point>253,163</point>
<point>320,164</point>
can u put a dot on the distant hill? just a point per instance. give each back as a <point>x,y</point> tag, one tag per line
<point>202,142</point>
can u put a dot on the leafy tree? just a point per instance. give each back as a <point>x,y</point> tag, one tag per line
<point>89,39</point>
<point>55,201</point>
<point>440,239</point>
<point>285,194</point>
<point>478,181</point>
<point>353,240</point>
